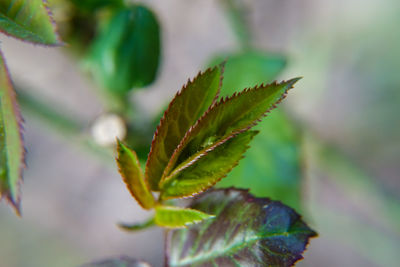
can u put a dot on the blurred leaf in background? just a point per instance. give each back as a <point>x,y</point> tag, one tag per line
<point>93,5</point>
<point>126,53</point>
<point>272,165</point>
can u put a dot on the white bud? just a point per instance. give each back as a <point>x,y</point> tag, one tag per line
<point>107,128</point>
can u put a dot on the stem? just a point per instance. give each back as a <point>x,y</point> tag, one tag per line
<point>358,185</point>
<point>235,10</point>
<point>64,125</point>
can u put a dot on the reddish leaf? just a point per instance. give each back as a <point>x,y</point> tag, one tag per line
<point>183,111</point>
<point>132,175</point>
<point>199,173</point>
<point>11,145</point>
<point>247,231</point>
<point>228,117</point>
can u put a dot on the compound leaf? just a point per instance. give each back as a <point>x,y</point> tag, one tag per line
<point>247,231</point>
<point>183,111</point>
<point>28,20</point>
<point>118,262</point>
<point>132,175</point>
<point>228,117</point>
<point>11,145</point>
<point>176,217</point>
<point>201,172</point>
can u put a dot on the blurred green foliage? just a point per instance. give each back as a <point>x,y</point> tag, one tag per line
<point>93,5</point>
<point>126,52</point>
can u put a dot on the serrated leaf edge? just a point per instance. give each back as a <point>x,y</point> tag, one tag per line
<point>222,177</point>
<point>162,120</point>
<point>43,43</point>
<point>209,216</point>
<point>119,143</point>
<point>15,202</point>
<point>247,195</point>
<point>185,140</point>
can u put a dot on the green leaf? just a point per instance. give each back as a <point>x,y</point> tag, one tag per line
<point>126,53</point>
<point>118,262</point>
<point>230,116</point>
<point>137,226</point>
<point>11,145</point>
<point>183,111</point>
<point>176,217</point>
<point>132,175</point>
<point>247,69</point>
<point>247,231</point>
<point>205,169</point>
<point>272,166</point>
<point>28,20</point>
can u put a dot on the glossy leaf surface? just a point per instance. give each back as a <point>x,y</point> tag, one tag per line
<point>11,144</point>
<point>176,217</point>
<point>247,231</point>
<point>230,116</point>
<point>247,69</point>
<point>205,169</point>
<point>28,20</point>
<point>118,262</point>
<point>183,111</point>
<point>133,177</point>
<point>126,53</point>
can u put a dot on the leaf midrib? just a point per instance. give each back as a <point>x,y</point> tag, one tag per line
<point>231,249</point>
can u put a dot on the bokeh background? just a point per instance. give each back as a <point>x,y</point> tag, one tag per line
<point>346,107</point>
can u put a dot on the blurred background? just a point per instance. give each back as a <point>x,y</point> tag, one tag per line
<point>331,150</point>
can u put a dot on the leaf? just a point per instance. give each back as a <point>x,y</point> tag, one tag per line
<point>247,231</point>
<point>28,20</point>
<point>196,175</point>
<point>272,166</point>
<point>176,217</point>
<point>230,116</point>
<point>247,69</point>
<point>183,111</point>
<point>126,53</point>
<point>118,262</point>
<point>132,175</point>
<point>137,226</point>
<point>11,145</point>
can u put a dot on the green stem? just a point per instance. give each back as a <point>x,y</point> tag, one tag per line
<point>137,226</point>
<point>356,183</point>
<point>64,125</point>
<point>237,17</point>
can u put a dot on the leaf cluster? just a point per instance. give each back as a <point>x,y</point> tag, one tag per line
<point>200,139</point>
